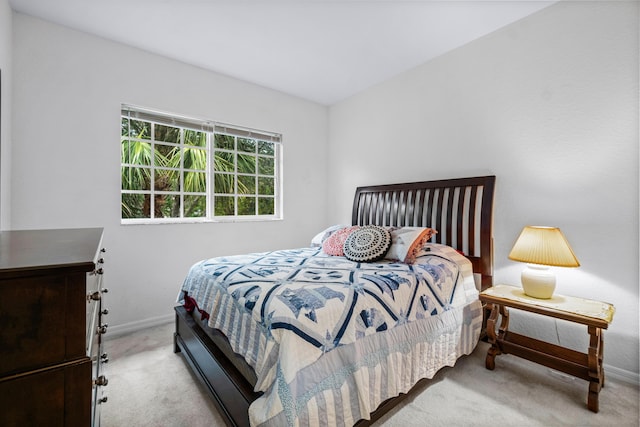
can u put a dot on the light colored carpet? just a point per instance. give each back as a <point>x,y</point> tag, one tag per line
<point>149,385</point>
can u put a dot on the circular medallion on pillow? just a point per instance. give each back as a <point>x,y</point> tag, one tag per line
<point>367,244</point>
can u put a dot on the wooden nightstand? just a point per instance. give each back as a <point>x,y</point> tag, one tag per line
<point>595,315</point>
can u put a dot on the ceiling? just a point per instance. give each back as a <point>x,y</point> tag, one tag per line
<point>320,50</point>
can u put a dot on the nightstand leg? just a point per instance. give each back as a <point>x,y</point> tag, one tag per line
<point>601,357</point>
<point>596,373</point>
<point>504,323</point>
<point>494,350</point>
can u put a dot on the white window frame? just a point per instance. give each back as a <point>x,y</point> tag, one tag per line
<point>210,128</point>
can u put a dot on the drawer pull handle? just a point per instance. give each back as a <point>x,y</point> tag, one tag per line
<point>100,271</point>
<point>103,400</point>
<point>105,312</point>
<point>105,290</point>
<point>104,358</point>
<point>101,380</point>
<point>103,329</point>
<point>94,296</point>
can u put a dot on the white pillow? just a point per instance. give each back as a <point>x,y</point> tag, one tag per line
<point>319,238</point>
<point>406,242</point>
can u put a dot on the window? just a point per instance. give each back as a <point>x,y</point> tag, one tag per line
<point>177,169</point>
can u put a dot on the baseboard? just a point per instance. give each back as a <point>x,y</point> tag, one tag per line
<point>127,328</point>
<point>621,375</point>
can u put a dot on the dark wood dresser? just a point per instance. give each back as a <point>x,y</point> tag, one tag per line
<point>50,327</point>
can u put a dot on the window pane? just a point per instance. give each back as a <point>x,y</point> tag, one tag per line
<point>266,206</point>
<point>135,152</point>
<point>224,162</point>
<point>166,180</point>
<point>167,206</point>
<point>224,183</point>
<point>246,184</point>
<point>166,155</point>
<point>195,182</point>
<point>266,165</point>
<point>193,137</point>
<point>195,206</point>
<point>166,133</point>
<point>135,178</point>
<point>265,147</point>
<point>247,145</point>
<point>124,126</point>
<point>224,141</point>
<point>246,205</point>
<point>136,129</point>
<point>224,206</point>
<point>135,206</point>
<point>194,158</point>
<point>266,186</point>
<point>246,163</point>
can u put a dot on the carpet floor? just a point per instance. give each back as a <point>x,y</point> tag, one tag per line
<point>149,385</point>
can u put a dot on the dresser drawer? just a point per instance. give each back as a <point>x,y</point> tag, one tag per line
<point>33,311</point>
<point>56,397</point>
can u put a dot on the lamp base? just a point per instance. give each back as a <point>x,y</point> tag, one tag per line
<point>538,281</point>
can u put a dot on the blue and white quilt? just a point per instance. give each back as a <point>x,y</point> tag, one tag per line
<point>330,339</point>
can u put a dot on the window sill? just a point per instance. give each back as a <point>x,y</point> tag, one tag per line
<point>220,220</point>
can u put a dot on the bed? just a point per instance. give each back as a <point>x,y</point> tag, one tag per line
<point>316,339</point>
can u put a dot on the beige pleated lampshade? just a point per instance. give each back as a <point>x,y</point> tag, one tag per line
<point>543,245</point>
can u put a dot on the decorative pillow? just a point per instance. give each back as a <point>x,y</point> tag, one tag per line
<point>406,242</point>
<point>319,238</point>
<point>368,243</point>
<point>335,243</point>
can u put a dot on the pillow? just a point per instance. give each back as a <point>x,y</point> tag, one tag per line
<point>335,243</point>
<point>406,242</point>
<point>319,238</point>
<point>368,243</point>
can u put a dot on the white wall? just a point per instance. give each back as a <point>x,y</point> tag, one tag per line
<point>6,27</point>
<point>68,88</point>
<point>550,106</point>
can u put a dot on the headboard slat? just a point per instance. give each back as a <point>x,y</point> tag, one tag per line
<point>404,201</point>
<point>461,224</point>
<point>449,216</point>
<point>472,223</point>
<point>440,237</point>
<point>417,218</point>
<point>429,217</point>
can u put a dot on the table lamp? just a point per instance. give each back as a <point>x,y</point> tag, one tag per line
<point>541,247</point>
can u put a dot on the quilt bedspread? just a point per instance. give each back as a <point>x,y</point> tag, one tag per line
<point>310,323</point>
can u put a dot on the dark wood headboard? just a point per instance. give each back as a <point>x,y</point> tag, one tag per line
<point>460,209</point>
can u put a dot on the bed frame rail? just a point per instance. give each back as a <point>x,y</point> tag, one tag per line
<point>231,392</point>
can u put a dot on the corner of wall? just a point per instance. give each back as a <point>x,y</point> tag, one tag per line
<point>6,41</point>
